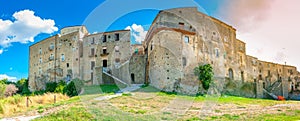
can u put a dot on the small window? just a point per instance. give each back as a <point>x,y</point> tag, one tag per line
<point>40,60</point>
<point>181,24</point>
<point>93,41</point>
<point>92,65</point>
<point>92,51</point>
<point>70,44</point>
<point>40,51</point>
<point>186,39</point>
<point>68,65</point>
<point>117,36</point>
<point>51,46</point>
<point>104,39</point>
<point>217,52</point>
<point>92,76</point>
<point>63,57</point>
<point>183,61</point>
<point>104,51</point>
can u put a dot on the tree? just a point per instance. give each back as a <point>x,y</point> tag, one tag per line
<point>10,90</point>
<point>205,75</point>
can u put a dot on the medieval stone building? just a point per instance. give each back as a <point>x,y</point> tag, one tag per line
<point>178,41</point>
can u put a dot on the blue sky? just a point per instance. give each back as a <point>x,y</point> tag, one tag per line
<point>14,58</point>
<point>254,20</point>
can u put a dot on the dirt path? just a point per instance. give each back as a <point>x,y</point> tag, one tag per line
<point>34,114</point>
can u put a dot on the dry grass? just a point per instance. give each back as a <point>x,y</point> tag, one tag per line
<point>16,104</point>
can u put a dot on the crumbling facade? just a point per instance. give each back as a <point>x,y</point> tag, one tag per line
<point>178,41</point>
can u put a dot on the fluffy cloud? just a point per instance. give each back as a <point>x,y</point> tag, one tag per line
<point>1,51</point>
<point>269,27</point>
<point>138,32</point>
<point>9,78</point>
<point>24,28</point>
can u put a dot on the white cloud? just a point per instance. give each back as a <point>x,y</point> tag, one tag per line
<point>9,78</point>
<point>24,28</point>
<point>138,32</point>
<point>273,32</point>
<point>1,51</point>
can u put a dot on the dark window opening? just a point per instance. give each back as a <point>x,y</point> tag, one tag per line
<point>104,38</point>
<point>181,24</point>
<point>104,62</point>
<point>108,36</point>
<point>260,77</point>
<point>151,47</point>
<point>67,65</point>
<point>167,70</point>
<point>230,72</point>
<point>242,75</point>
<point>117,36</point>
<point>264,85</point>
<point>269,73</point>
<point>92,76</point>
<point>92,51</point>
<point>168,78</point>
<point>70,44</point>
<point>132,77</point>
<point>183,61</point>
<point>92,65</point>
<point>104,50</point>
<point>93,41</point>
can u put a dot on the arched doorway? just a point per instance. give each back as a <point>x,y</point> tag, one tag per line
<point>230,73</point>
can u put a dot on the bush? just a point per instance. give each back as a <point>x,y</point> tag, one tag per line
<point>74,87</point>
<point>10,90</point>
<point>70,89</point>
<point>51,86</point>
<point>60,87</point>
<point>205,75</point>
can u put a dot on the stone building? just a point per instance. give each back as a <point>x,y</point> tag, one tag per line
<point>182,38</point>
<point>56,58</point>
<point>101,58</point>
<point>178,40</point>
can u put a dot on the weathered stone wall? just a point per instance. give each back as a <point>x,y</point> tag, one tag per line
<point>55,58</point>
<point>112,47</point>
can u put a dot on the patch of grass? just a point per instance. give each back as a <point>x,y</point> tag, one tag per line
<point>100,89</point>
<point>71,114</point>
<point>126,94</point>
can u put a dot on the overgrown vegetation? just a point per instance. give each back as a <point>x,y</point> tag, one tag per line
<point>205,75</point>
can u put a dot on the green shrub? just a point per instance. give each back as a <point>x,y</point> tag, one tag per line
<point>60,87</point>
<point>74,87</point>
<point>205,75</point>
<point>70,89</point>
<point>51,86</point>
<point>40,92</point>
<point>25,89</point>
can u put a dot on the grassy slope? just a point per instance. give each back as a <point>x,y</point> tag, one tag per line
<point>128,107</point>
